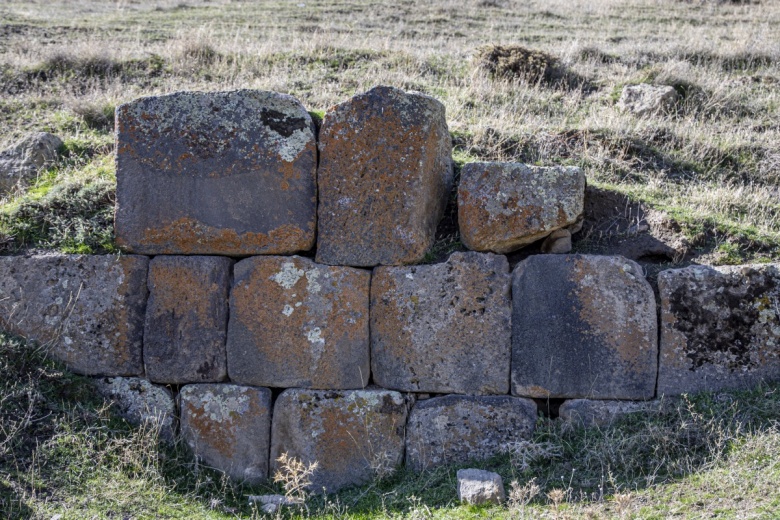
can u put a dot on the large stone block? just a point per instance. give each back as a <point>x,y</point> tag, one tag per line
<point>505,206</point>
<point>589,413</point>
<point>186,319</point>
<point>455,429</point>
<point>720,328</point>
<point>295,323</point>
<point>228,428</point>
<point>88,311</point>
<point>141,403</point>
<point>442,328</point>
<point>384,177</point>
<point>228,173</point>
<point>583,327</point>
<point>353,435</point>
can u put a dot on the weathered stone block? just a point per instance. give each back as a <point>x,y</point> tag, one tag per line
<point>295,323</point>
<point>353,435</point>
<point>587,412</point>
<point>720,328</point>
<point>442,328</point>
<point>229,173</point>
<point>583,326</point>
<point>384,177</point>
<point>228,427</point>
<point>186,319</point>
<point>645,99</point>
<point>505,206</point>
<point>454,429</point>
<point>87,310</point>
<point>477,486</point>
<point>141,403</point>
<point>21,163</point>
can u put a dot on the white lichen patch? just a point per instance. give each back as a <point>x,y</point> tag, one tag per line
<point>288,276</point>
<point>314,335</point>
<point>288,310</point>
<point>312,276</point>
<point>223,404</point>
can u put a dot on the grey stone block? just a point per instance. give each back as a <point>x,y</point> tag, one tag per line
<point>587,412</point>
<point>141,403</point>
<point>477,487</point>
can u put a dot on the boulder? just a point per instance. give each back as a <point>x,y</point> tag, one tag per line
<point>589,413</point>
<point>88,311</point>
<point>442,328</point>
<point>228,428</point>
<point>223,173</point>
<point>384,177</point>
<point>720,328</point>
<point>477,487</point>
<point>505,206</point>
<point>558,243</point>
<point>455,429</point>
<point>645,99</point>
<point>21,163</point>
<point>186,319</point>
<point>141,403</point>
<point>583,327</point>
<point>353,435</point>
<point>295,323</point>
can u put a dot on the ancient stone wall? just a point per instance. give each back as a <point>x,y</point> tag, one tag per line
<point>284,308</point>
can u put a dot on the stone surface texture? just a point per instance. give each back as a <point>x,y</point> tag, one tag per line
<point>455,429</point>
<point>384,177</point>
<point>589,413</point>
<point>228,428</point>
<point>229,173</point>
<point>720,328</point>
<point>558,243</point>
<point>505,206</point>
<point>186,319</point>
<point>583,327</point>
<point>21,163</point>
<point>645,99</point>
<point>295,323</point>
<point>141,403</point>
<point>353,434</point>
<point>476,487</point>
<point>442,328</point>
<point>88,311</point>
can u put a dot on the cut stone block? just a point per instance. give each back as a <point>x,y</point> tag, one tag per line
<point>455,429</point>
<point>720,328</point>
<point>228,428</point>
<point>295,323</point>
<point>588,413</point>
<point>186,319</point>
<point>88,311</point>
<point>227,173</point>
<point>583,327</point>
<point>384,178</point>
<point>476,487</point>
<point>505,206</point>
<point>442,328</point>
<point>354,435</point>
<point>141,403</point>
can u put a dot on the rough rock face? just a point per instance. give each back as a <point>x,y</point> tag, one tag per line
<point>586,412</point>
<point>455,429</point>
<point>645,99</point>
<point>353,434</point>
<point>87,310</point>
<point>186,319</point>
<point>295,323</point>
<point>229,173</point>
<point>21,162</point>
<point>228,428</point>
<point>720,327</point>
<point>384,177</point>
<point>476,486</point>
<point>505,206</point>
<point>141,403</point>
<point>558,243</point>
<point>583,327</point>
<point>442,328</point>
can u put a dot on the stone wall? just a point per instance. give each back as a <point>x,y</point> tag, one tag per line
<point>286,309</point>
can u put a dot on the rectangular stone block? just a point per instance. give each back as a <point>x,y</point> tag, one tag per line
<point>88,311</point>
<point>589,413</point>
<point>141,403</point>
<point>353,435</point>
<point>456,429</point>
<point>186,319</point>
<point>384,177</point>
<point>583,327</point>
<point>442,328</point>
<point>222,173</point>
<point>295,323</point>
<point>228,427</point>
<point>720,328</point>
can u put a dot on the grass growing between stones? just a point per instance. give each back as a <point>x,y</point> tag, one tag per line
<point>62,451</point>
